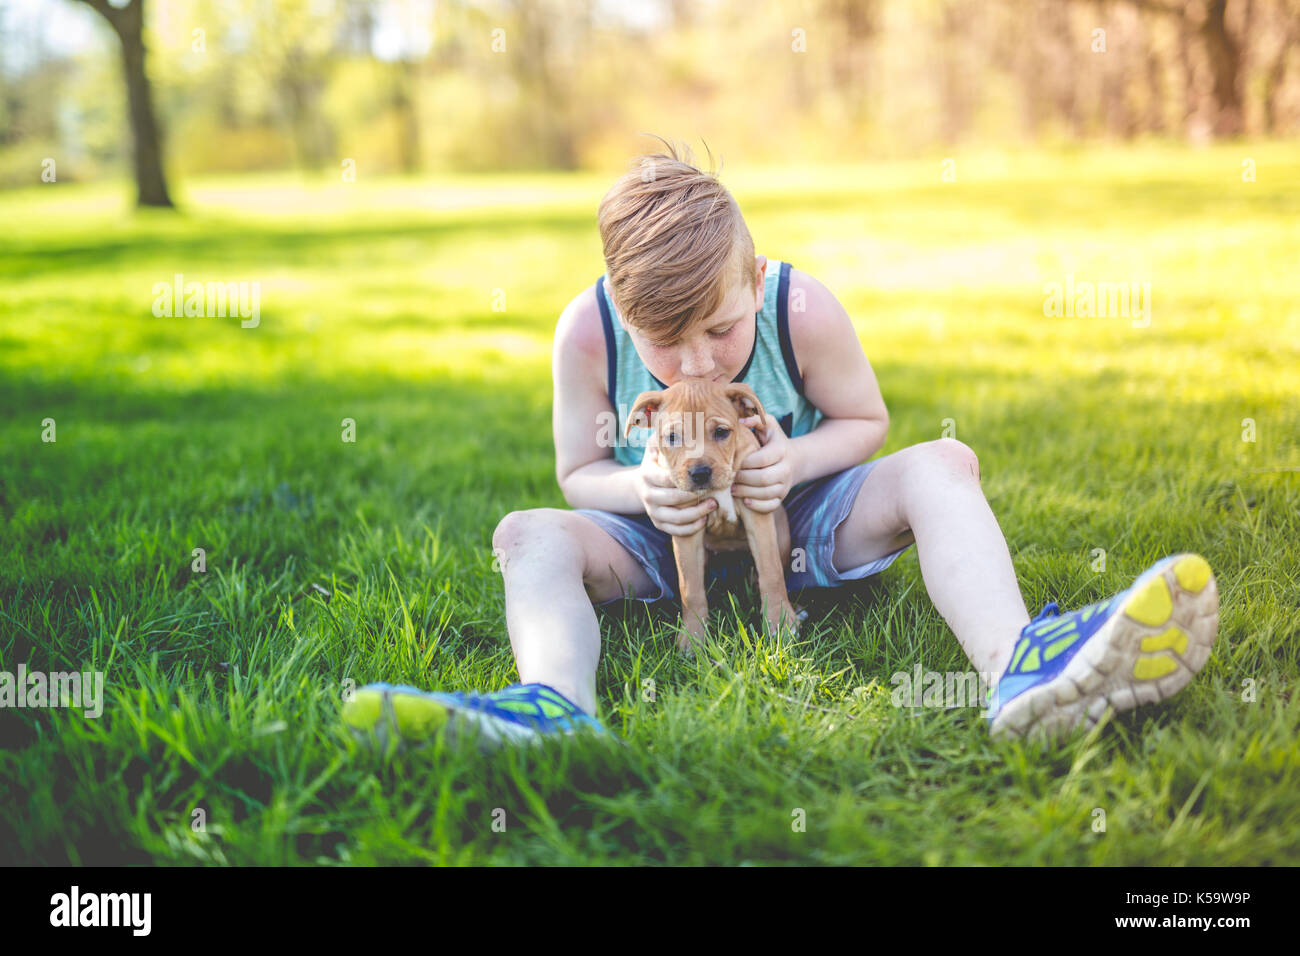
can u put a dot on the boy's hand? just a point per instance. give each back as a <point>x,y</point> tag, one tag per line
<point>767,475</point>
<point>671,510</point>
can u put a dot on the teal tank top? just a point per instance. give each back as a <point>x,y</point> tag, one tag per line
<point>771,370</point>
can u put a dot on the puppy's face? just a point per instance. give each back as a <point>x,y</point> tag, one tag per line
<point>697,425</point>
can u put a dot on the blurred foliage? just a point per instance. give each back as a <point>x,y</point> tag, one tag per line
<point>408,85</point>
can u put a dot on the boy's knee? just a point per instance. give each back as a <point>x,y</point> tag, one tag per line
<point>543,527</point>
<point>955,455</point>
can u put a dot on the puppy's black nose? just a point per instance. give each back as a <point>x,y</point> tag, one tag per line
<point>701,474</point>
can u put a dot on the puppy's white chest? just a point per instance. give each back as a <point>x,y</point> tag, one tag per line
<point>726,505</point>
<point>724,530</point>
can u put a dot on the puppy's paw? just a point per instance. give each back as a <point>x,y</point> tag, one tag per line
<point>784,616</point>
<point>693,632</point>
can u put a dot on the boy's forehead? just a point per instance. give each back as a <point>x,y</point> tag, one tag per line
<point>737,297</point>
<point>734,306</point>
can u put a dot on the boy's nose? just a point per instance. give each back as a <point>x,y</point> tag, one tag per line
<point>700,474</point>
<point>697,364</point>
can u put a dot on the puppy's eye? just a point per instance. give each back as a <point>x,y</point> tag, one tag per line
<point>672,438</point>
<point>721,433</point>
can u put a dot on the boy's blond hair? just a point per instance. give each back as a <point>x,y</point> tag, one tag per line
<point>675,244</point>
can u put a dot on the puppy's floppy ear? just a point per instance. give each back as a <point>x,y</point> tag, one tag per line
<point>745,400</point>
<point>643,409</point>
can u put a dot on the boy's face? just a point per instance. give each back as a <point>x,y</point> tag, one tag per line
<point>715,348</point>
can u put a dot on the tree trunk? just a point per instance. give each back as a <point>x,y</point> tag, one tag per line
<point>405,81</point>
<point>1225,64</point>
<point>545,83</point>
<point>1276,77</point>
<point>853,25</point>
<point>954,81</point>
<point>128,23</point>
<point>1190,99</point>
<point>1155,77</point>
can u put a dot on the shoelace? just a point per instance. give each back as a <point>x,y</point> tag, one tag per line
<point>1049,610</point>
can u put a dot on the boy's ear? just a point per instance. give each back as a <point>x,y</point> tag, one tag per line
<point>643,409</point>
<point>746,401</point>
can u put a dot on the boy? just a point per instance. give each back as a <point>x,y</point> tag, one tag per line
<point>686,296</point>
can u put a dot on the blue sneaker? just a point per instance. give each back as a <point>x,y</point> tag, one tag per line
<point>1140,646</point>
<point>522,713</point>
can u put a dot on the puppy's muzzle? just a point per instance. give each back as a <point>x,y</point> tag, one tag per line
<point>701,475</point>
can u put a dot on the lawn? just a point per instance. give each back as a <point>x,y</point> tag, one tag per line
<point>423,311</point>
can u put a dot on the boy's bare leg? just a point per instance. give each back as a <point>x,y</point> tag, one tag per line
<point>556,564</point>
<point>930,493</point>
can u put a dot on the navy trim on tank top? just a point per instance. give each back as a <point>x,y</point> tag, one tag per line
<point>752,349</point>
<point>783,328</point>
<point>611,368</point>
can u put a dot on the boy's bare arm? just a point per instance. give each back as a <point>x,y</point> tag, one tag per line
<point>839,380</point>
<point>588,474</point>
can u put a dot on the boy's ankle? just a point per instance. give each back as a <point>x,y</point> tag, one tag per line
<point>569,693</point>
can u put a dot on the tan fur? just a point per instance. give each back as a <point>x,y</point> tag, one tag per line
<point>687,418</point>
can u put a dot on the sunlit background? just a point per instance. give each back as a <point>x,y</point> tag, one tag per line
<point>418,85</point>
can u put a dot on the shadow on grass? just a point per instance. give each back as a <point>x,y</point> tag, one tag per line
<point>250,246</point>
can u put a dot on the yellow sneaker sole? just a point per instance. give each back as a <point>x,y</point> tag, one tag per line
<point>1153,645</point>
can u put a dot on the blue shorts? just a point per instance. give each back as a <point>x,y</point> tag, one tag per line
<point>815,511</point>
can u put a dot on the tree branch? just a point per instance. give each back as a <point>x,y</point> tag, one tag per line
<point>105,9</point>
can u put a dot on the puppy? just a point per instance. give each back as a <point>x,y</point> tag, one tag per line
<point>702,444</point>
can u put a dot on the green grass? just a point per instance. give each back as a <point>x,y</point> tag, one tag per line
<point>377,305</point>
